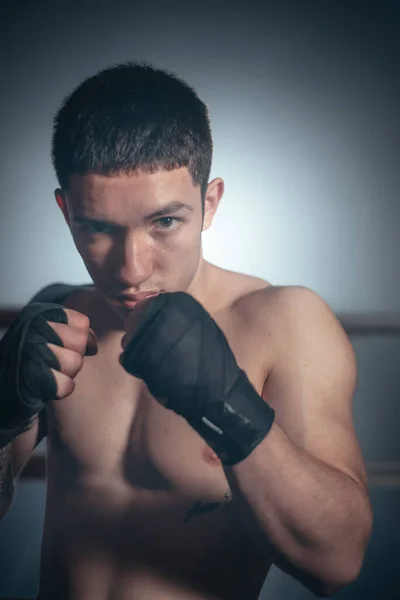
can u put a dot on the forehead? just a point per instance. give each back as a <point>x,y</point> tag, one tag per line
<point>135,192</point>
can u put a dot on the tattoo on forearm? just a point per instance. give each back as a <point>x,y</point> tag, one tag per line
<point>203,507</point>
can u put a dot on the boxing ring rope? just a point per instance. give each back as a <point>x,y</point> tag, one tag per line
<point>355,325</point>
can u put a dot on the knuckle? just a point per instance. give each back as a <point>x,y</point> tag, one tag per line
<point>70,361</point>
<point>65,386</point>
<point>77,362</point>
<point>84,320</point>
<point>79,319</point>
<point>83,341</point>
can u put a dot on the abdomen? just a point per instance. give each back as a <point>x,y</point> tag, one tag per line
<point>103,541</point>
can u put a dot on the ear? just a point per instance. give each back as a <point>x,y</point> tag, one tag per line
<point>61,201</point>
<point>212,199</point>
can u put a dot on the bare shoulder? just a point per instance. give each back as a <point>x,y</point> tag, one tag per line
<point>238,290</point>
<point>294,322</point>
<point>284,308</point>
<point>296,314</point>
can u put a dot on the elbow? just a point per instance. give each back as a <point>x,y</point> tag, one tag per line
<point>326,571</point>
<point>326,579</point>
<point>335,578</point>
<point>338,572</point>
<point>342,572</point>
<point>325,589</point>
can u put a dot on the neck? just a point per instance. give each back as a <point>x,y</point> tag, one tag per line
<point>201,284</point>
<point>206,286</point>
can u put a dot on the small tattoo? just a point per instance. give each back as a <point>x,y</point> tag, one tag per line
<point>203,507</point>
<point>200,508</point>
<point>228,497</point>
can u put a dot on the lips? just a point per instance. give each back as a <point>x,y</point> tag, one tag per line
<point>130,301</point>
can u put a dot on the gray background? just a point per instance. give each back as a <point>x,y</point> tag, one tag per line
<point>304,100</point>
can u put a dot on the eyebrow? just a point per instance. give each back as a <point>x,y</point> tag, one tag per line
<point>172,207</point>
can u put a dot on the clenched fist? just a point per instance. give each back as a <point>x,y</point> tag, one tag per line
<point>40,355</point>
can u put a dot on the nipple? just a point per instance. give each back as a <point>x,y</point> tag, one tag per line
<point>210,457</point>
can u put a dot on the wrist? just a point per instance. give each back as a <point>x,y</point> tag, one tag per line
<point>235,424</point>
<point>8,434</point>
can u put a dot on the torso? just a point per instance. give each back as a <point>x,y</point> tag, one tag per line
<point>138,506</point>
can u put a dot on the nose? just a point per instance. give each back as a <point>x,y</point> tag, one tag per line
<point>134,265</point>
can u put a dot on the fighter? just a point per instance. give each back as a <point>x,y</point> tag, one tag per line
<point>198,421</point>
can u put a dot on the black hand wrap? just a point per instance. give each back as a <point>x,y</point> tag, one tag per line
<point>184,358</point>
<point>26,382</point>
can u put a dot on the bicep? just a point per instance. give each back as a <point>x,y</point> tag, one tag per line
<point>312,383</point>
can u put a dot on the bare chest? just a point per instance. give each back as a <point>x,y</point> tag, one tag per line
<point>111,427</point>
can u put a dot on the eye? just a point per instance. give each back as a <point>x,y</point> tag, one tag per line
<point>168,223</point>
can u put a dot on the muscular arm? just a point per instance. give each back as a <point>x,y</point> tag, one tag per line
<point>303,489</point>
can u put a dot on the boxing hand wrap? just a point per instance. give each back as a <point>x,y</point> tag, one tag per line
<point>186,362</point>
<point>26,381</point>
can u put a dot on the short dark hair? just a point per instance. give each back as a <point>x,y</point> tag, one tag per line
<point>132,116</point>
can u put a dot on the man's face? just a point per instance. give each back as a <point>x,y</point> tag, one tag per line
<point>136,233</point>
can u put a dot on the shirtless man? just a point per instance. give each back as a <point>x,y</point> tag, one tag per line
<point>181,461</point>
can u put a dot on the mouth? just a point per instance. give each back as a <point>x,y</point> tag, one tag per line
<point>130,302</point>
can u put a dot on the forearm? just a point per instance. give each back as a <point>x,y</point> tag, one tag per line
<point>6,480</point>
<point>313,517</point>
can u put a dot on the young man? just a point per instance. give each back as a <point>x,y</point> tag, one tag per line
<point>199,421</point>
